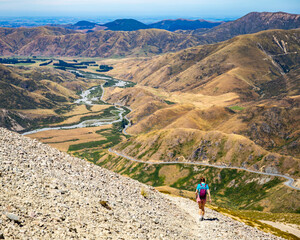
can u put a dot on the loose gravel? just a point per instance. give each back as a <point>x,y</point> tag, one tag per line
<point>48,194</point>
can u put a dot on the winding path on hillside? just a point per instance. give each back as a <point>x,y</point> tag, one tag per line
<point>290,181</point>
<point>216,225</point>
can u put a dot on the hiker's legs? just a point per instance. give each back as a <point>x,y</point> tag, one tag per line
<point>202,209</point>
<point>201,205</point>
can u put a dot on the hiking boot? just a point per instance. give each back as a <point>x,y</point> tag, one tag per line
<point>201,218</point>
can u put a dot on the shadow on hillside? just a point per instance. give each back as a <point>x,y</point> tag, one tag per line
<point>211,219</point>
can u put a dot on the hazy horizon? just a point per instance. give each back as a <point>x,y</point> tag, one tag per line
<point>156,9</point>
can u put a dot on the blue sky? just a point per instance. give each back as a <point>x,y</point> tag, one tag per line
<point>145,8</point>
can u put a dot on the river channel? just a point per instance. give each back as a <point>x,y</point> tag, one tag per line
<point>88,99</point>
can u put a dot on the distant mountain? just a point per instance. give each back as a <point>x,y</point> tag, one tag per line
<point>82,26</point>
<point>125,25</point>
<point>211,31</point>
<point>47,41</point>
<point>12,39</point>
<point>125,41</point>
<point>252,23</point>
<point>85,24</point>
<point>183,24</point>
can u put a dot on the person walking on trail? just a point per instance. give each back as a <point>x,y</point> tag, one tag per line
<point>201,191</point>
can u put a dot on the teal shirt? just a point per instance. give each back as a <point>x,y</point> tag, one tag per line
<point>202,186</point>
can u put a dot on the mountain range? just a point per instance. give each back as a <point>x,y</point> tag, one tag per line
<point>59,41</point>
<point>222,95</point>
<point>250,23</point>
<point>134,25</point>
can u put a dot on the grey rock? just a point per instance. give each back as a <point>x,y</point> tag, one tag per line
<point>12,216</point>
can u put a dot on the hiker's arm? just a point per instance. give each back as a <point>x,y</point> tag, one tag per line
<point>196,192</point>
<point>209,195</point>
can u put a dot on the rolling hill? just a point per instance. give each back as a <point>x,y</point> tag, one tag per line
<point>48,41</point>
<point>183,24</point>
<point>252,66</point>
<point>37,88</point>
<point>245,89</point>
<point>252,23</point>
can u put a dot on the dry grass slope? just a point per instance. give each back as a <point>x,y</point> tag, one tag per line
<point>249,65</point>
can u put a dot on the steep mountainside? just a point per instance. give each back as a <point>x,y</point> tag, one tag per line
<point>47,41</point>
<point>183,24</point>
<point>60,192</point>
<point>63,197</point>
<point>11,40</point>
<point>36,88</point>
<point>252,23</point>
<point>253,66</point>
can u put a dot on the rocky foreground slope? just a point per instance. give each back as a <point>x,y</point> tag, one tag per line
<point>47,194</point>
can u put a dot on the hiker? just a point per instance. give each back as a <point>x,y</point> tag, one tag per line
<point>201,191</point>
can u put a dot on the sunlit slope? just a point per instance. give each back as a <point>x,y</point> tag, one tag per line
<point>49,41</point>
<point>13,40</point>
<point>252,66</point>
<point>270,123</point>
<point>37,87</point>
<point>214,147</point>
<point>142,102</point>
<point>32,95</point>
<point>251,23</point>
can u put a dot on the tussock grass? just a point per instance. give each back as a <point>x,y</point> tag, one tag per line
<point>252,218</point>
<point>144,192</point>
<point>236,108</point>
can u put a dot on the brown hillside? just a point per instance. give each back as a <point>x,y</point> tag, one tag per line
<point>141,101</point>
<point>49,41</point>
<point>23,88</point>
<point>55,41</point>
<point>41,90</point>
<point>207,146</point>
<point>272,124</point>
<point>250,65</point>
<point>251,23</point>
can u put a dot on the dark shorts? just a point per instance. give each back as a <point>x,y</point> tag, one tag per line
<point>203,201</point>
